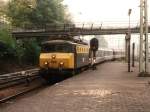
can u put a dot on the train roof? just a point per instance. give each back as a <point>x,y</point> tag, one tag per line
<point>62,41</point>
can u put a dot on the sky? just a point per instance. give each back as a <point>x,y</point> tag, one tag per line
<point>104,11</point>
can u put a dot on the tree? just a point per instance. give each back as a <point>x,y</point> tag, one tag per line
<point>49,12</point>
<point>7,48</point>
<point>2,12</point>
<point>18,12</point>
<point>2,6</point>
<point>23,13</point>
<point>6,37</point>
<point>31,51</point>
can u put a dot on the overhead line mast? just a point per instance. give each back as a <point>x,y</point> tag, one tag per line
<point>143,61</point>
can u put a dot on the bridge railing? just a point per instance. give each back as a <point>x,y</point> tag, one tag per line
<point>70,27</point>
<point>77,27</point>
<point>106,25</point>
<point>47,27</point>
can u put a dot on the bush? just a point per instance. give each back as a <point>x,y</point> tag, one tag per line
<point>7,45</point>
<point>20,51</point>
<point>31,51</point>
<point>5,36</point>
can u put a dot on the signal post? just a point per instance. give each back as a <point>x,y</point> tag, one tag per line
<point>94,45</point>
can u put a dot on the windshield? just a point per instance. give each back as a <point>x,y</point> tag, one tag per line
<point>57,48</point>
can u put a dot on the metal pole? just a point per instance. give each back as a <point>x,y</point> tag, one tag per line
<point>146,38</point>
<point>133,52</point>
<point>129,38</point>
<point>141,38</point>
<point>92,27</point>
<point>128,57</point>
<point>82,26</point>
<point>126,47</point>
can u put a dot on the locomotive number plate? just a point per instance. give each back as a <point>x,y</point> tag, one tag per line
<point>53,62</point>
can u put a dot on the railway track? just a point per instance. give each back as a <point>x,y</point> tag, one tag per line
<point>11,79</point>
<point>20,92</point>
<point>19,83</point>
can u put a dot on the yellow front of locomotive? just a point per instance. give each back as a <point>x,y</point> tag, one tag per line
<point>57,61</point>
<point>57,54</point>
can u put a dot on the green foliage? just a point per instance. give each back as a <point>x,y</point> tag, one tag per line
<point>22,52</point>
<point>2,8</point>
<point>31,51</point>
<point>8,45</point>
<point>24,13</point>
<point>5,36</point>
<point>18,12</point>
<point>19,52</point>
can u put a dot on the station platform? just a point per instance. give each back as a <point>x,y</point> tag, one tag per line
<point>110,88</point>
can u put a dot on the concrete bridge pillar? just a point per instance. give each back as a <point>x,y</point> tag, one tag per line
<point>143,61</point>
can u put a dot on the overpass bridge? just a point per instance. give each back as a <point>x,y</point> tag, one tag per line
<point>71,30</point>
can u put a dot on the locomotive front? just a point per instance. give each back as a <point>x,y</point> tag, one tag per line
<point>57,55</point>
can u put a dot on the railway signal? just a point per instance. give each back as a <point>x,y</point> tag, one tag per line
<point>94,45</point>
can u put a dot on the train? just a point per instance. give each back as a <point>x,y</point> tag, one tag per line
<point>68,56</point>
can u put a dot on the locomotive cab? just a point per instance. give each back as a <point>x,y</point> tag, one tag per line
<point>61,56</point>
<point>57,55</point>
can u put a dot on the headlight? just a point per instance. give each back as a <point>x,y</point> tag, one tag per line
<point>46,63</point>
<point>54,56</point>
<point>61,63</point>
<point>94,61</point>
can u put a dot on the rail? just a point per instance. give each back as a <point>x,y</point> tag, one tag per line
<point>11,79</point>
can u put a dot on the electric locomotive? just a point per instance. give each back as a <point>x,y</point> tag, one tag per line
<point>63,56</point>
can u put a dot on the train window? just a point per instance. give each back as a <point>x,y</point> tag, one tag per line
<point>104,53</point>
<point>77,49</point>
<point>81,49</point>
<point>57,48</point>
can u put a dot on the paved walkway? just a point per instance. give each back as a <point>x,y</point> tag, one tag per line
<point>109,89</point>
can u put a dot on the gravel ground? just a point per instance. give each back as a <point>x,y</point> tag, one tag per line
<point>110,88</point>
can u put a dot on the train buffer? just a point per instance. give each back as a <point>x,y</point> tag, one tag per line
<point>110,88</point>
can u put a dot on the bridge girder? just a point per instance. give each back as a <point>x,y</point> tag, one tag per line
<point>71,32</point>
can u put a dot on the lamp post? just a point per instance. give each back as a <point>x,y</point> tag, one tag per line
<point>128,40</point>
